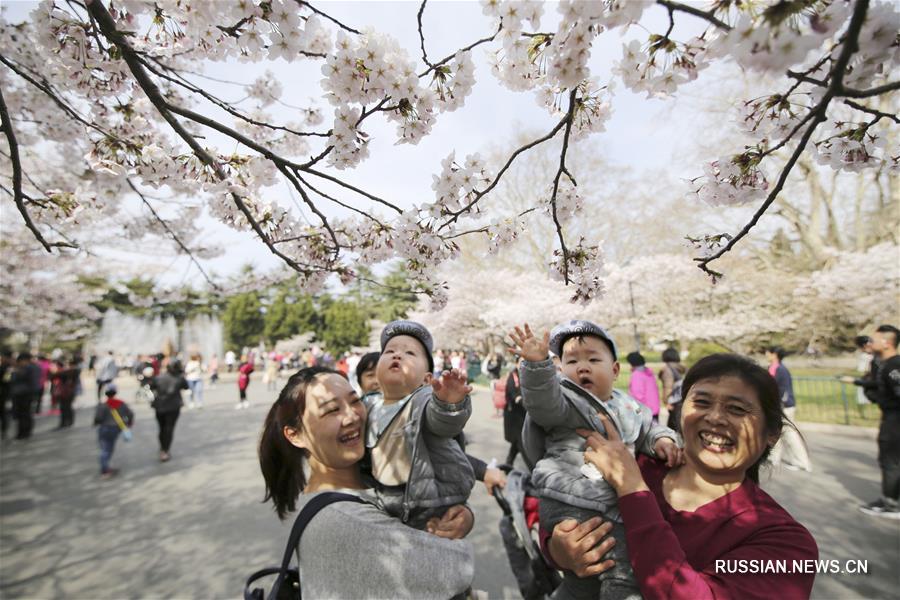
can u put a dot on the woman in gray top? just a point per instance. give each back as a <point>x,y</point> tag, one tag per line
<point>312,442</point>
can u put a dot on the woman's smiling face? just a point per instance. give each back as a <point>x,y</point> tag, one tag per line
<point>333,423</point>
<point>723,426</point>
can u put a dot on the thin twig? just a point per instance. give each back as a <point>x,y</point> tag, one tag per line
<point>570,114</point>
<point>875,91</point>
<point>705,15</point>
<point>171,233</point>
<point>454,216</point>
<point>872,111</point>
<point>327,16</point>
<point>422,35</point>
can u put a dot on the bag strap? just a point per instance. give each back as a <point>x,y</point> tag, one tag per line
<point>118,419</point>
<point>309,511</point>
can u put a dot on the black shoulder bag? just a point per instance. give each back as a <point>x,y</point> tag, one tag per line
<point>287,584</point>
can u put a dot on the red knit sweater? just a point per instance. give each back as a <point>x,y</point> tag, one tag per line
<point>675,553</point>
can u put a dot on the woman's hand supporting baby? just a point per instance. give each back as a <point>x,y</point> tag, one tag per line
<point>613,459</point>
<point>452,387</point>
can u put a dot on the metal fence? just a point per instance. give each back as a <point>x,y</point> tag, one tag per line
<point>828,400</point>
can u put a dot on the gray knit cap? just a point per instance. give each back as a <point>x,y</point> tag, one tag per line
<point>562,332</point>
<point>411,328</point>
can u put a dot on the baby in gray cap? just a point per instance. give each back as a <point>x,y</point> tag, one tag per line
<point>577,397</point>
<point>419,466</point>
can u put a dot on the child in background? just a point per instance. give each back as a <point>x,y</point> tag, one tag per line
<point>414,420</point>
<point>112,418</point>
<point>365,373</point>
<point>642,385</point>
<point>243,382</point>
<point>582,397</point>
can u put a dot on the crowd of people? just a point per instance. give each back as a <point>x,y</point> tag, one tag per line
<point>628,506</point>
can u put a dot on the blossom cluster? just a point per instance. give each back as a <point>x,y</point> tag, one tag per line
<point>582,267</point>
<point>732,180</point>
<point>457,184</point>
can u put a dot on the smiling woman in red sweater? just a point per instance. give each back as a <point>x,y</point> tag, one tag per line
<point>704,529</point>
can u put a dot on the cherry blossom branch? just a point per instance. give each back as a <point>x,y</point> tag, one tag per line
<point>872,111</point>
<point>327,16</point>
<point>348,186</point>
<point>562,169</point>
<point>454,216</point>
<point>705,15</point>
<point>226,106</point>
<point>108,27</point>
<point>422,35</point>
<point>338,202</point>
<point>17,179</point>
<point>851,45</point>
<point>171,233</point>
<point>875,91</point>
<point>450,57</point>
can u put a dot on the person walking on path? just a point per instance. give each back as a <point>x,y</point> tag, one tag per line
<point>167,403</point>
<point>23,387</point>
<point>243,382</point>
<point>111,418</point>
<point>642,385</point>
<point>790,449</point>
<point>229,360</point>
<point>888,399</point>
<point>6,370</point>
<point>671,375</point>
<point>44,365</point>
<point>213,368</point>
<point>64,383</point>
<point>513,414</point>
<point>106,373</point>
<point>193,374</point>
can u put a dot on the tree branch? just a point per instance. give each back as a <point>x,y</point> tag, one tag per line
<point>422,35</point>
<point>562,169</point>
<point>872,111</point>
<point>329,17</point>
<point>171,233</point>
<point>108,27</point>
<point>875,91</point>
<point>479,195</point>
<point>705,15</point>
<point>851,45</point>
<point>17,179</point>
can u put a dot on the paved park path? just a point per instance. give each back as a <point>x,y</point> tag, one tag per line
<point>195,528</point>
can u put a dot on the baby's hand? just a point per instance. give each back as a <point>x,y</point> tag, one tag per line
<point>451,387</point>
<point>667,449</point>
<point>529,347</point>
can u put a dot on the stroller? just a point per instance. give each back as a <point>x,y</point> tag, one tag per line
<point>518,525</point>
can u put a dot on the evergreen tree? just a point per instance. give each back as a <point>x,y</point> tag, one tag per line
<point>345,324</point>
<point>243,320</point>
<point>288,316</point>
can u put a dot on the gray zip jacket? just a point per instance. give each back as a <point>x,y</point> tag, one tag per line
<point>441,475</point>
<point>557,406</point>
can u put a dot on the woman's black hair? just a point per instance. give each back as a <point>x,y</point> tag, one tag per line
<point>366,363</point>
<point>861,341</point>
<point>671,355</point>
<point>635,359</point>
<point>716,366</point>
<point>280,461</point>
